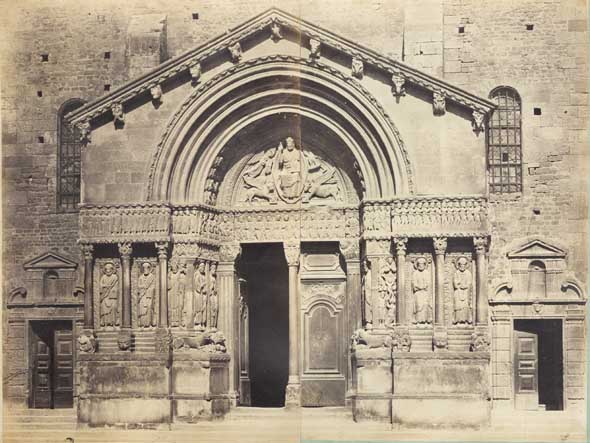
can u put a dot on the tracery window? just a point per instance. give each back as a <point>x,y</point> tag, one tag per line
<point>504,142</point>
<point>68,160</point>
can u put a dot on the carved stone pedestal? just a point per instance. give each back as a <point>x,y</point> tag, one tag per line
<point>293,395</point>
<point>460,338</point>
<point>372,383</point>
<point>421,338</point>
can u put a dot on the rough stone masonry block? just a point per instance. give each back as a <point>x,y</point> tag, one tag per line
<point>146,43</point>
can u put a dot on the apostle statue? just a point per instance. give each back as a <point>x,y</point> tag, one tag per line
<point>462,284</point>
<point>109,296</point>
<point>367,285</point>
<point>200,296</point>
<point>176,293</point>
<point>387,293</point>
<point>421,280</point>
<point>213,303</point>
<point>146,296</point>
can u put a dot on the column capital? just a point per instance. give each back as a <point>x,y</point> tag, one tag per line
<point>401,245</point>
<point>481,244</point>
<point>87,250</point>
<point>440,245</point>
<point>292,252</point>
<point>350,249</point>
<point>229,252</point>
<point>162,248</point>
<point>125,249</point>
<point>379,247</point>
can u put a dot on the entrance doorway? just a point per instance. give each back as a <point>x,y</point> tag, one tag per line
<point>51,363</point>
<point>538,364</point>
<point>265,269</point>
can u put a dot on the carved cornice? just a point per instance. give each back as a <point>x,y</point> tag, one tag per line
<point>267,21</point>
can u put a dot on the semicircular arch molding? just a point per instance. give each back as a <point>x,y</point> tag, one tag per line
<point>213,115</point>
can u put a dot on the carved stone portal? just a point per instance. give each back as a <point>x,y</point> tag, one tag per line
<point>289,174</point>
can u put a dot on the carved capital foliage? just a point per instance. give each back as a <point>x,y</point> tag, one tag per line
<point>162,248</point>
<point>439,105</point>
<point>125,249</point>
<point>156,93</point>
<point>84,128</point>
<point>440,245</point>
<point>358,68</point>
<point>87,251</point>
<point>118,113</point>
<point>398,84</point>
<point>401,245</point>
<point>480,244</point>
<point>378,247</point>
<point>315,47</point>
<point>292,252</point>
<point>478,121</point>
<point>229,252</point>
<point>275,32</point>
<point>235,51</point>
<point>350,249</point>
<point>195,72</point>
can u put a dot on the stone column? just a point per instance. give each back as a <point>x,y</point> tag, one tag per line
<point>125,250</point>
<point>481,301</point>
<point>228,294</point>
<point>440,247</point>
<point>88,250</point>
<point>401,245</point>
<point>293,394</point>
<point>162,248</point>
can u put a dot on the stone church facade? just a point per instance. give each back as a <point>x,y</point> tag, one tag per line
<point>277,215</point>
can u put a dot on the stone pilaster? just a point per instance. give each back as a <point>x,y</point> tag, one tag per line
<point>293,393</point>
<point>401,245</point>
<point>162,249</point>
<point>440,247</point>
<point>125,250</point>
<point>88,251</point>
<point>481,301</point>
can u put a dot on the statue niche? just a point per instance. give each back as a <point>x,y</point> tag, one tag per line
<point>289,174</point>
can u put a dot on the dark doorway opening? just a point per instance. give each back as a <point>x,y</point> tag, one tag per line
<point>549,358</point>
<point>52,364</point>
<point>265,269</point>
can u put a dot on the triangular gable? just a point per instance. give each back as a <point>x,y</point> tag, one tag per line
<point>225,43</point>
<point>50,260</point>
<point>537,249</point>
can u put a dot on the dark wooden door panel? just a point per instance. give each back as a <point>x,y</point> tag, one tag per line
<point>41,368</point>
<point>63,392</point>
<point>526,370</point>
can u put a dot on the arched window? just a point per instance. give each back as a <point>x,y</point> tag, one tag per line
<point>504,142</point>
<point>68,159</point>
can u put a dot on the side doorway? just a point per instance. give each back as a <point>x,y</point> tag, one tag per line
<point>538,364</point>
<point>51,364</point>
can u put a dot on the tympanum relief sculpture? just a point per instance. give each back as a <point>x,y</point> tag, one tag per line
<point>146,296</point>
<point>422,292</point>
<point>176,293</point>
<point>109,295</point>
<point>289,174</point>
<point>462,292</point>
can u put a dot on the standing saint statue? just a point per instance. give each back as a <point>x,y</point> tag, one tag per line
<point>213,303</point>
<point>387,293</point>
<point>200,296</point>
<point>421,280</point>
<point>109,296</point>
<point>462,284</point>
<point>176,293</point>
<point>367,284</point>
<point>146,295</point>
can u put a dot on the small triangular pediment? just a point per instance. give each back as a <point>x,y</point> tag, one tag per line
<point>537,249</point>
<point>274,18</point>
<point>50,260</point>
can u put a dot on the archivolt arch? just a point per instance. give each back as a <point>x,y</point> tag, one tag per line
<point>216,111</point>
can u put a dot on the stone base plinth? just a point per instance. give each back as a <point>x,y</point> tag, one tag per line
<point>471,411</point>
<point>421,338</point>
<point>460,338</point>
<point>372,382</point>
<point>146,390</point>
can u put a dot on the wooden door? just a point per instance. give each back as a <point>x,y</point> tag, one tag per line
<point>63,368</point>
<point>526,370</point>
<point>243,345</point>
<point>41,366</point>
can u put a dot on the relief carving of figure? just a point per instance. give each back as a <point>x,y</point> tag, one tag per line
<point>176,293</point>
<point>258,178</point>
<point>421,280</point>
<point>109,296</point>
<point>462,284</point>
<point>200,296</point>
<point>366,282</point>
<point>290,160</point>
<point>146,296</point>
<point>387,293</point>
<point>213,299</point>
